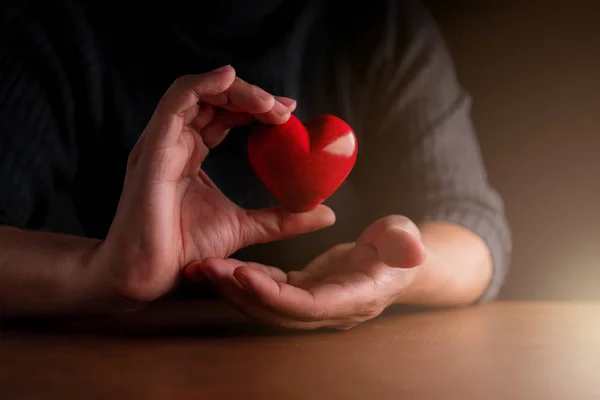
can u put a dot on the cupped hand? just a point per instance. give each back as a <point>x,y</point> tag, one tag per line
<point>349,284</point>
<point>170,212</point>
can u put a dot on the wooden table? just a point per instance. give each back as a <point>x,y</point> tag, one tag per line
<point>202,350</point>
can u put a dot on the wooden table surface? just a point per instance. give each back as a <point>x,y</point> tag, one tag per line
<point>203,350</point>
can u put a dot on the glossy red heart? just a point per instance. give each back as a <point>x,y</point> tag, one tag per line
<point>303,165</point>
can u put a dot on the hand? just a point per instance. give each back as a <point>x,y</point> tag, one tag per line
<point>170,212</point>
<point>347,285</point>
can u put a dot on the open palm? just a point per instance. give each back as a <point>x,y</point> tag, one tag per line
<point>347,285</point>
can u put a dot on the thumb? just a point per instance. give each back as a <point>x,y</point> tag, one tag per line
<point>397,241</point>
<point>272,224</point>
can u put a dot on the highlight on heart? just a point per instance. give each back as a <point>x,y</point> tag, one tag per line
<point>302,165</point>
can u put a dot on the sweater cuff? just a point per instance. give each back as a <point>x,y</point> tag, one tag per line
<point>493,229</point>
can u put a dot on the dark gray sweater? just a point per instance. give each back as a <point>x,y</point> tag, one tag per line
<point>79,83</point>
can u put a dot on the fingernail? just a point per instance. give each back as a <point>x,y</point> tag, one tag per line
<point>223,68</point>
<point>289,103</point>
<point>281,109</point>
<point>190,272</point>
<point>193,273</point>
<point>199,278</point>
<point>210,275</point>
<point>243,280</point>
<point>261,94</point>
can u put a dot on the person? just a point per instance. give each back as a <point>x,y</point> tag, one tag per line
<point>140,119</point>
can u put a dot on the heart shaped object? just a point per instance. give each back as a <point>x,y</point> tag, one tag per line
<point>302,166</point>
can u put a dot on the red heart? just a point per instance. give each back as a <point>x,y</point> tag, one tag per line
<point>301,166</point>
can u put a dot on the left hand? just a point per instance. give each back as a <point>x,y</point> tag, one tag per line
<point>349,284</point>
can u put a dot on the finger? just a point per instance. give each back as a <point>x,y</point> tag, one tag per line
<point>192,112</point>
<point>214,132</point>
<point>197,271</point>
<point>286,101</point>
<point>325,264</point>
<point>251,99</point>
<point>267,225</point>
<point>242,97</point>
<point>275,273</point>
<point>206,113</point>
<point>279,114</point>
<point>194,271</point>
<point>220,273</point>
<point>397,241</point>
<point>134,155</point>
<point>218,128</point>
<point>183,94</point>
<point>322,302</point>
<point>198,153</point>
<point>232,293</point>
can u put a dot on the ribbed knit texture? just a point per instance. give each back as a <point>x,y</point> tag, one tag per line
<point>78,85</point>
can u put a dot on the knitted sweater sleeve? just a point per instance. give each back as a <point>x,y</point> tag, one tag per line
<point>419,154</point>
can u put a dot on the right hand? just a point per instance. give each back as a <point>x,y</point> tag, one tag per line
<point>170,213</point>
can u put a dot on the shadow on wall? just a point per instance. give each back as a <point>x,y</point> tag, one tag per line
<point>533,69</point>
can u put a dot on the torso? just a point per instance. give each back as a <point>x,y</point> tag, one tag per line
<point>137,71</point>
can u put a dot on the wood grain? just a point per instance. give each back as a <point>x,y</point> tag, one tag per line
<point>203,350</point>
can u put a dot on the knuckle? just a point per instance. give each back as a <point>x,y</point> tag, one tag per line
<point>190,90</point>
<point>294,277</point>
<point>182,81</point>
<point>179,83</point>
<point>134,155</point>
<point>132,160</point>
<point>262,107</point>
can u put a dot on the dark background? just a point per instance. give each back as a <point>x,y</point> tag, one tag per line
<point>533,69</point>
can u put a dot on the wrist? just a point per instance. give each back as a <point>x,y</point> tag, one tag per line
<point>456,270</point>
<point>106,283</point>
<point>43,274</point>
<point>86,286</point>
